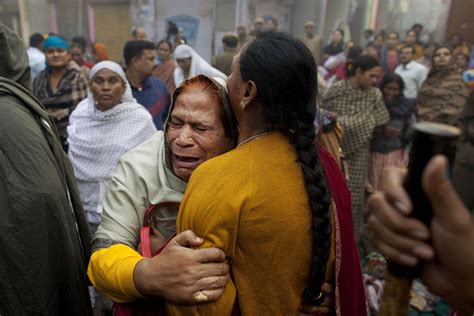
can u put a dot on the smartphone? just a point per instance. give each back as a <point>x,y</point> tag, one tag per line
<point>428,139</point>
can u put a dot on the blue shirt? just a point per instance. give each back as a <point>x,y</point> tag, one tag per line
<point>153,95</point>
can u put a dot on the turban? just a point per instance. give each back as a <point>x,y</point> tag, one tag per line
<point>56,42</point>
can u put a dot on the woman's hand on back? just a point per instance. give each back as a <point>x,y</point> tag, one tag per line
<point>179,273</point>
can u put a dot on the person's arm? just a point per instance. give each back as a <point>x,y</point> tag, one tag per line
<point>112,264</point>
<point>449,271</point>
<point>111,272</point>
<point>357,129</point>
<point>123,275</point>
<point>177,274</point>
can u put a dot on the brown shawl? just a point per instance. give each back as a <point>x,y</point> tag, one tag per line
<point>442,96</point>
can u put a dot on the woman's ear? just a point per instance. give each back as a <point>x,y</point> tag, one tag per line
<point>250,93</point>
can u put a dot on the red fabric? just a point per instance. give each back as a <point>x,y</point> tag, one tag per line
<point>350,281</point>
<point>86,63</point>
<point>392,60</point>
<point>339,71</point>
<point>145,241</point>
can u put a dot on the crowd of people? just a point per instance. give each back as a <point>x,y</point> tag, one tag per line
<point>238,186</point>
<point>379,90</point>
<point>376,92</point>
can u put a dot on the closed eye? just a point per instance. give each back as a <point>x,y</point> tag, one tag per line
<point>175,122</point>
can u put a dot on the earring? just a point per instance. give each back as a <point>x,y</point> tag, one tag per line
<point>242,104</point>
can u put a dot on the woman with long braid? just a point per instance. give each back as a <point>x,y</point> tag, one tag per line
<point>267,203</point>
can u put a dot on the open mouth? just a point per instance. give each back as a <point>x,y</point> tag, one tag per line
<point>186,159</point>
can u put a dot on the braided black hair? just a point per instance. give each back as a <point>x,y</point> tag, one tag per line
<point>284,72</point>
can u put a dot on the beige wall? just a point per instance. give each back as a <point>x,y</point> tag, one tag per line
<point>201,9</point>
<point>39,15</point>
<point>112,27</point>
<point>335,16</point>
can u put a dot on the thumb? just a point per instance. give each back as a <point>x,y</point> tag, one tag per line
<point>187,239</point>
<point>447,206</point>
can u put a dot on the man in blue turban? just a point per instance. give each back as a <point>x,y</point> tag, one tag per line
<point>61,86</point>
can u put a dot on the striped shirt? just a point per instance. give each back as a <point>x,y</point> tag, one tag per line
<point>71,90</point>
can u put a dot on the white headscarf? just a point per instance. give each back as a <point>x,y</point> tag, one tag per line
<point>107,64</point>
<point>98,139</point>
<point>198,65</point>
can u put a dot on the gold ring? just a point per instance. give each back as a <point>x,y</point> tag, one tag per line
<point>201,297</point>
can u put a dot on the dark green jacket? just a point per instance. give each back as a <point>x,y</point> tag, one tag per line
<point>44,237</point>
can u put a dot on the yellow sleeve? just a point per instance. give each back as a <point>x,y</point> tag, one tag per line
<point>111,272</point>
<point>217,223</point>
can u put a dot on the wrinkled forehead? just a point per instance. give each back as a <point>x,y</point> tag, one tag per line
<point>197,107</point>
<point>185,95</point>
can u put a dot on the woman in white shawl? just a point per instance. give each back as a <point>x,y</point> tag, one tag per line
<point>191,64</point>
<point>103,127</point>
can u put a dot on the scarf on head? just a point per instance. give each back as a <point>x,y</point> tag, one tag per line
<point>56,42</point>
<point>198,65</point>
<point>98,139</point>
<point>229,123</point>
<point>101,52</point>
